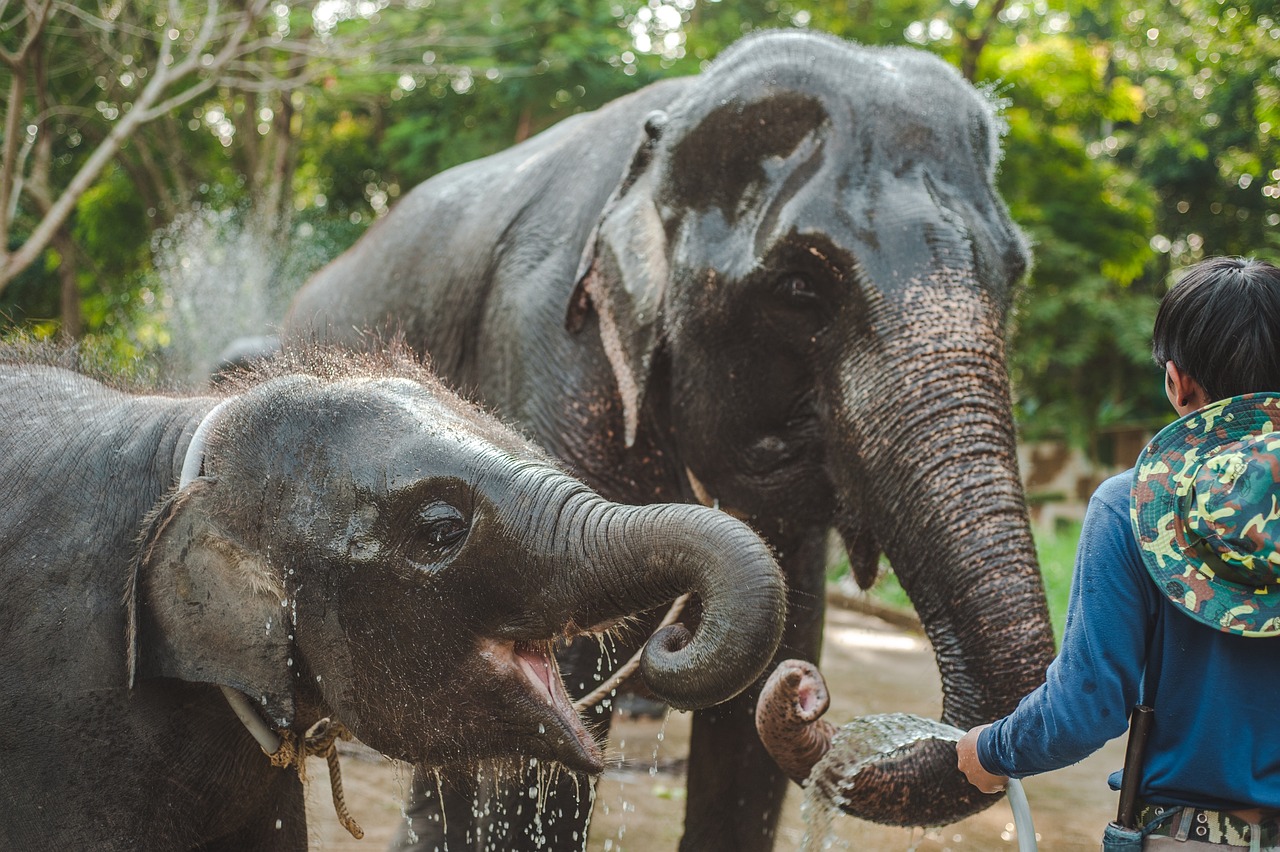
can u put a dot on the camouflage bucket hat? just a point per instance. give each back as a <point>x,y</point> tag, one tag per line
<point>1206,511</point>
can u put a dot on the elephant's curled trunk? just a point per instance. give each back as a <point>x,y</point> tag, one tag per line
<point>628,559</point>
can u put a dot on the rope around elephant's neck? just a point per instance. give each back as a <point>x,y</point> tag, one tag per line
<point>614,681</point>
<point>320,740</point>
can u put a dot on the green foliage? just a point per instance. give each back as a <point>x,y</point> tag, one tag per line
<point>1056,552</point>
<point>1141,136</point>
<point>1065,79</point>
<point>32,298</point>
<point>111,225</point>
<point>1080,354</point>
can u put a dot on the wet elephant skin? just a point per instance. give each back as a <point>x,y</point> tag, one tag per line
<point>352,541</point>
<point>780,286</point>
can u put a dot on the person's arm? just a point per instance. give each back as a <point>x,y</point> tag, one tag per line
<point>1095,679</point>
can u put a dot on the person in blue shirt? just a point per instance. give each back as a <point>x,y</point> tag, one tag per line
<point>1175,600</point>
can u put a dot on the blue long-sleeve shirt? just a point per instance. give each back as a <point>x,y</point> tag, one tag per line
<point>1215,739</point>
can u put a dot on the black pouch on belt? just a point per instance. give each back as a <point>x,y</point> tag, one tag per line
<point>1124,834</point>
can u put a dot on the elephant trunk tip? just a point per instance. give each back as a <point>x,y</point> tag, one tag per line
<point>788,718</point>
<point>660,666</point>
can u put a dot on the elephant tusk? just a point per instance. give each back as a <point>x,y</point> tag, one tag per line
<point>193,461</point>
<point>704,497</point>
<point>192,464</point>
<point>266,738</point>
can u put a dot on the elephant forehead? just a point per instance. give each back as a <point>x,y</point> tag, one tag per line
<point>429,434</point>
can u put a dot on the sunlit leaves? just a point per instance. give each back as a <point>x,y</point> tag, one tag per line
<point>1067,78</point>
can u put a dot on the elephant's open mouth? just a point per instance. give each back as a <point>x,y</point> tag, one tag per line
<point>562,729</point>
<point>543,672</point>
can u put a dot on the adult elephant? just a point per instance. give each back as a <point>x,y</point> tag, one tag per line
<point>333,541</point>
<point>780,286</point>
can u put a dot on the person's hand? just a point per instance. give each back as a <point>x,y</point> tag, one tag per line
<point>967,760</point>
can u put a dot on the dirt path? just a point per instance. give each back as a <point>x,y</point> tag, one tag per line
<point>870,666</point>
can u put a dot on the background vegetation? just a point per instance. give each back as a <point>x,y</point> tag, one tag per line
<point>172,170</point>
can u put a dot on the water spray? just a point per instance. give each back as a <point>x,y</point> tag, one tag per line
<point>871,739</point>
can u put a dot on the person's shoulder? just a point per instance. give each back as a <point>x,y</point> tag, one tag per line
<point>1115,491</point>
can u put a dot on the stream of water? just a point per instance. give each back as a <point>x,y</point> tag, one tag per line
<point>859,743</point>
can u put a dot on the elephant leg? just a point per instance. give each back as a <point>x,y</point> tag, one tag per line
<point>533,809</point>
<point>735,789</point>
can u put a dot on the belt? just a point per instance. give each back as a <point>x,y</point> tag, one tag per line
<point>1208,826</point>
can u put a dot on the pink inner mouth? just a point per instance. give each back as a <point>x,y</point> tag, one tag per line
<point>538,667</point>
<point>542,673</point>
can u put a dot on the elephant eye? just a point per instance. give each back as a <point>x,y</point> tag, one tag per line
<point>441,524</point>
<point>799,288</point>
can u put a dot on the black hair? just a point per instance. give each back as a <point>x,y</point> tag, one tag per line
<point>1220,324</point>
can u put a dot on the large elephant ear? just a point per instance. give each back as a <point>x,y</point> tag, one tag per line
<point>623,274</point>
<point>203,608</point>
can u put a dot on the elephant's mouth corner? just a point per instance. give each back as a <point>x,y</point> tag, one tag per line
<point>555,722</point>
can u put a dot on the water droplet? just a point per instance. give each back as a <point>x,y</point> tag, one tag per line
<point>279,824</point>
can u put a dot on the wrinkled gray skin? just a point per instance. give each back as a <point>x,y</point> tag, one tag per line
<point>789,717</point>
<point>360,545</point>
<point>781,285</point>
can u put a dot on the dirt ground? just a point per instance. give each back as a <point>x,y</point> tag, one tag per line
<point>870,666</point>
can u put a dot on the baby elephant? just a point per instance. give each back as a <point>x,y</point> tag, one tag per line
<point>336,539</point>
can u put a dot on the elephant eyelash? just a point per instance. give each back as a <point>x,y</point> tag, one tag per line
<point>442,525</point>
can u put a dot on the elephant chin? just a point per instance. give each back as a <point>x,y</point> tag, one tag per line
<point>510,707</point>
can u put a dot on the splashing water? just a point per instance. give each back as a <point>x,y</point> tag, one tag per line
<point>222,278</point>
<point>657,746</point>
<point>863,741</point>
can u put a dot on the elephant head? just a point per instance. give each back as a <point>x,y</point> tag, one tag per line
<point>809,246</point>
<point>361,544</point>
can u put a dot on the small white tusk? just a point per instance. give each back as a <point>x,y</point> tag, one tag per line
<point>252,721</point>
<point>194,459</point>
<point>700,492</point>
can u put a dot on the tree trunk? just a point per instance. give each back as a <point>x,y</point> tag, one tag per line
<point>72,319</point>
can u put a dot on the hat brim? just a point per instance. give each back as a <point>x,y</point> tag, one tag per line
<point>1165,472</point>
